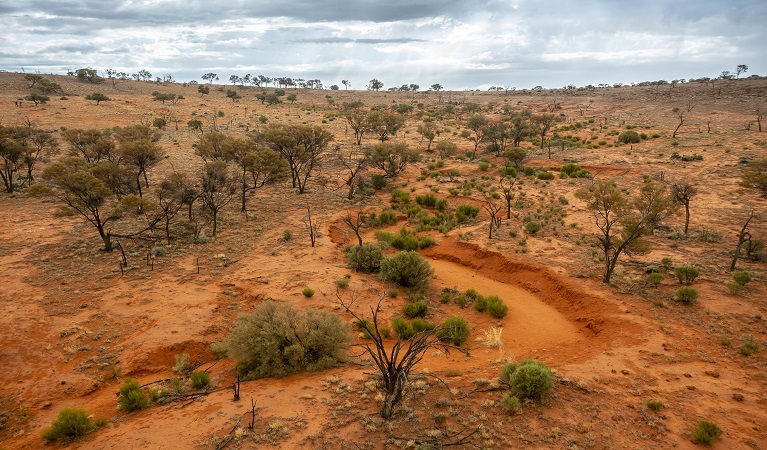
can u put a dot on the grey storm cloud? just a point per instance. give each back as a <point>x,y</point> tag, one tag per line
<point>456,43</point>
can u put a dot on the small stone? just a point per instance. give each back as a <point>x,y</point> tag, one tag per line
<point>614,371</point>
<point>691,388</point>
<point>47,404</point>
<point>687,375</point>
<point>712,373</point>
<point>737,397</point>
<point>625,372</point>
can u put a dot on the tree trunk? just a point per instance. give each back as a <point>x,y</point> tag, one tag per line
<point>686,217</point>
<point>106,238</point>
<point>215,221</point>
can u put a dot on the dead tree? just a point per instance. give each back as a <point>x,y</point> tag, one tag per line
<point>682,192</point>
<point>507,184</point>
<point>680,115</point>
<point>393,362</point>
<point>312,225</point>
<point>355,224</point>
<point>744,237</point>
<point>760,113</point>
<point>493,209</point>
<point>354,164</point>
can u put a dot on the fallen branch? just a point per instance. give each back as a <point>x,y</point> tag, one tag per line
<point>228,436</point>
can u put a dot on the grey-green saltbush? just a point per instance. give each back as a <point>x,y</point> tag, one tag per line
<point>531,379</point>
<point>369,256</point>
<point>71,423</point>
<point>406,269</point>
<point>454,330</point>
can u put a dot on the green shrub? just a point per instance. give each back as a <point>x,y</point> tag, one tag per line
<point>378,182</point>
<point>510,403</point>
<point>419,325</point>
<point>749,348</point>
<point>71,423</point>
<point>655,405</point>
<point>735,288</point>
<point>199,379</point>
<point>460,300</point>
<point>277,339</point>
<point>686,274</point>
<point>686,294</point>
<point>402,328</point>
<point>496,307</point>
<point>370,257</point>
<point>655,278</point>
<point>386,218</point>
<point>132,396</point>
<point>404,241</point>
<point>428,200</point>
<point>400,197</point>
<point>545,175</point>
<point>342,283</point>
<point>308,292</point>
<point>465,213</point>
<point>182,363</point>
<point>706,433</point>
<point>629,137</point>
<point>287,234</point>
<point>454,330</point>
<point>532,227</point>
<point>507,371</point>
<point>531,379</point>
<point>425,242</point>
<point>742,277</point>
<point>441,204</point>
<point>417,309</point>
<point>159,251</point>
<point>406,269</point>
<point>666,262</point>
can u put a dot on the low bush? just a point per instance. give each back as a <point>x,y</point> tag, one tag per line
<point>742,277</point>
<point>419,325</point>
<point>545,175</point>
<point>287,234</point>
<point>532,227</point>
<point>427,200</point>
<point>686,274</point>
<point>496,307</point>
<point>71,423</point>
<point>368,259</point>
<point>277,339</point>
<point>402,328</point>
<point>629,137</point>
<point>406,269</point>
<point>199,379</point>
<point>308,292</point>
<point>531,379</point>
<point>655,405</point>
<point>417,309</point>
<point>465,212</point>
<point>454,330</point>
<point>480,304</point>
<point>706,433</point>
<point>159,251</point>
<point>686,294</point>
<point>386,218</point>
<point>132,396</point>
<point>342,283</point>
<point>510,403</point>
<point>507,371</point>
<point>749,348</point>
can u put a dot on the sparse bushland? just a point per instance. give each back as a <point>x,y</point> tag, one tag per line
<point>277,339</point>
<point>199,379</point>
<point>368,259</point>
<point>686,274</point>
<point>454,330</point>
<point>510,403</point>
<point>686,294</point>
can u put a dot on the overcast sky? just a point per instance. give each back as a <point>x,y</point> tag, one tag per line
<point>458,43</point>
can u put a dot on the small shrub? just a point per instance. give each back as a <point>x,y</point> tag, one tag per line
<point>686,274</point>
<point>370,257</point>
<point>342,283</point>
<point>199,379</point>
<point>510,403</point>
<point>686,294</point>
<point>666,262</point>
<point>507,371</point>
<point>159,251</point>
<point>308,292</point>
<point>71,423</point>
<point>735,288</point>
<point>742,277</point>
<point>629,137</point>
<point>460,300</point>
<point>454,330</point>
<point>725,341</point>
<point>706,433</point>
<point>378,182</point>
<point>406,269</point>
<point>532,227</point>
<point>545,175</point>
<point>749,348</point>
<point>480,304</point>
<point>531,379</point>
<point>386,218</point>
<point>182,364</point>
<point>419,325</point>
<point>277,339</point>
<point>425,242</point>
<point>655,405</point>
<point>287,234</point>
<point>496,307</point>
<point>417,309</point>
<point>392,293</point>
<point>132,396</point>
<point>402,328</point>
<point>465,213</point>
<point>428,200</point>
<point>655,278</point>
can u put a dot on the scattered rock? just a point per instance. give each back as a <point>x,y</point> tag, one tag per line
<point>712,373</point>
<point>691,388</point>
<point>687,375</point>
<point>737,397</point>
<point>625,372</point>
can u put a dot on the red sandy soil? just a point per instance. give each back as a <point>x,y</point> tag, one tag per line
<point>73,326</point>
